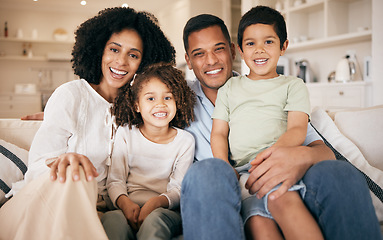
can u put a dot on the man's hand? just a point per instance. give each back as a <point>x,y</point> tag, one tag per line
<point>277,165</point>
<point>74,160</point>
<point>35,116</point>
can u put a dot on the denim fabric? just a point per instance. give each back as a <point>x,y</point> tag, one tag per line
<point>338,197</point>
<point>251,205</point>
<point>211,202</point>
<point>336,194</point>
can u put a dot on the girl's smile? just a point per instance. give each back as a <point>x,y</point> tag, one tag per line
<point>156,104</point>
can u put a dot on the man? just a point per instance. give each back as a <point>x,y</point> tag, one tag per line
<point>337,195</point>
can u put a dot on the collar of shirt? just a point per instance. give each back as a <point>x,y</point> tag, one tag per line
<point>201,127</point>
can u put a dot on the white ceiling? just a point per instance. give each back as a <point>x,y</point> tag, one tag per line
<point>93,6</point>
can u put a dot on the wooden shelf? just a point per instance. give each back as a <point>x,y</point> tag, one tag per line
<point>24,58</point>
<point>339,84</point>
<point>34,58</point>
<point>307,7</point>
<point>331,41</point>
<point>29,40</point>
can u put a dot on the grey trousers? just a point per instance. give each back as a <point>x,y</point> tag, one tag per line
<point>160,224</point>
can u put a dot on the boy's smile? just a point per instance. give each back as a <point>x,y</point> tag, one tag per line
<point>261,51</point>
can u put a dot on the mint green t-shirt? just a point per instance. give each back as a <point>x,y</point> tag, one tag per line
<point>256,111</point>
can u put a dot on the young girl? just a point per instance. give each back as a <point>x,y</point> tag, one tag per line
<point>151,153</point>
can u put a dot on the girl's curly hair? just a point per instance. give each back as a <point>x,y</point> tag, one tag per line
<point>92,35</point>
<point>184,97</point>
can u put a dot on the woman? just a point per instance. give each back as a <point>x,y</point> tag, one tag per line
<point>78,129</point>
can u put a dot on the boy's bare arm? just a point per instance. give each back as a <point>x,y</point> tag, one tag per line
<point>294,136</point>
<point>286,165</point>
<point>218,139</point>
<point>296,130</point>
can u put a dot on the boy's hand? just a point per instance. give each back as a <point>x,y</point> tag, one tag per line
<point>131,211</point>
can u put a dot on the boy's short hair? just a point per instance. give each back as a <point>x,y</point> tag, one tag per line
<point>263,15</point>
<point>200,22</point>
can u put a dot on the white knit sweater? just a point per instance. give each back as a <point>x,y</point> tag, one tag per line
<point>142,169</point>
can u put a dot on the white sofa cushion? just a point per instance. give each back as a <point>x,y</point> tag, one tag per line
<point>13,162</point>
<point>327,128</point>
<point>365,129</point>
<point>19,132</point>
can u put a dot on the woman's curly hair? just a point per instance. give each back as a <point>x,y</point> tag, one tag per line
<point>93,34</point>
<point>184,97</point>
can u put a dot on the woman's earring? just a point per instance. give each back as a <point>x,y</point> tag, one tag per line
<point>134,77</point>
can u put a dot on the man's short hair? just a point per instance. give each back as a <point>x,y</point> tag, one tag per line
<point>200,22</point>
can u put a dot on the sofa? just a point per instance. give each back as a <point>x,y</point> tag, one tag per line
<point>354,135</point>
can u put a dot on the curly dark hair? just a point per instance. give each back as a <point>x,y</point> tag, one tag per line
<point>93,34</point>
<point>125,111</point>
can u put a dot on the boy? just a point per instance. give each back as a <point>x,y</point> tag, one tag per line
<point>264,110</point>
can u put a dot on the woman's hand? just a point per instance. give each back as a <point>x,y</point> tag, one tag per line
<point>131,211</point>
<point>74,160</point>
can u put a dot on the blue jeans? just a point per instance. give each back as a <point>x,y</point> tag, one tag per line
<point>339,199</point>
<point>337,196</point>
<point>211,202</point>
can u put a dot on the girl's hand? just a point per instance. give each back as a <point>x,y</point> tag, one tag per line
<point>131,211</point>
<point>74,160</point>
<point>150,206</point>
